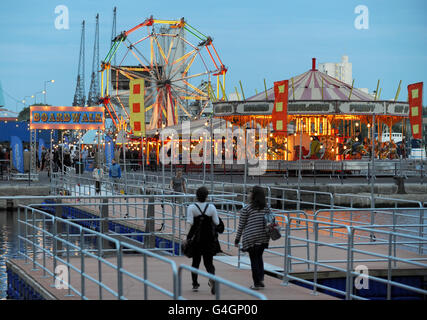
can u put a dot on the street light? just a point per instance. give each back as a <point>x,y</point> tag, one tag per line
<point>35,95</point>
<point>47,81</point>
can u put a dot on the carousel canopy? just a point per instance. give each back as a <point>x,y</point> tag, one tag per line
<point>314,93</point>
<point>309,85</point>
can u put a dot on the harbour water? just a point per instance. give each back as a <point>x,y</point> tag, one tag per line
<point>8,245</point>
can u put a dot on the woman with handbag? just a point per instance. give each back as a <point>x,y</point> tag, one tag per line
<point>202,219</point>
<point>252,230</point>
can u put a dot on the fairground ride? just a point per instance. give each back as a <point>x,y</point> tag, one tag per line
<point>181,68</point>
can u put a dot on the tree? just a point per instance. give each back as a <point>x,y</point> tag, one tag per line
<point>24,115</point>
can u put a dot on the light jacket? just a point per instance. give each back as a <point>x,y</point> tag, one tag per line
<point>98,174</point>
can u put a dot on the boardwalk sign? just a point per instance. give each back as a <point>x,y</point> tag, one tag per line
<point>77,118</point>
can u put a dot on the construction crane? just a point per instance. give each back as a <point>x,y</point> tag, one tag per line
<point>114,30</point>
<point>93,96</point>
<point>79,95</point>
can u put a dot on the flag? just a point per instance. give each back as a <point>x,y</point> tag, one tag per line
<point>109,150</point>
<point>280,110</point>
<point>137,107</point>
<point>65,143</point>
<point>415,97</point>
<point>17,153</point>
<point>41,145</point>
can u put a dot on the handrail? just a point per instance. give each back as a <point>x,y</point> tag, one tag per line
<point>119,246</point>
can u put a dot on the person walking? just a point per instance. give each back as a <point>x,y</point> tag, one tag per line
<point>202,219</point>
<point>115,173</point>
<point>252,230</point>
<point>178,182</point>
<point>98,174</point>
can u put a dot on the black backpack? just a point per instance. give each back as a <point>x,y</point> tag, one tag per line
<point>205,228</point>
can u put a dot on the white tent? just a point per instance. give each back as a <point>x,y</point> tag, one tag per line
<point>91,137</point>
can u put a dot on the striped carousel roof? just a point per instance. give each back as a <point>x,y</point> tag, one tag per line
<point>308,86</point>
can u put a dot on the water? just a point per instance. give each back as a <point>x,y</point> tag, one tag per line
<point>8,245</point>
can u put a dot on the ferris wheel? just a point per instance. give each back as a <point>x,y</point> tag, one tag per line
<point>181,69</point>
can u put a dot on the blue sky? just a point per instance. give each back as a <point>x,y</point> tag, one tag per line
<point>274,40</point>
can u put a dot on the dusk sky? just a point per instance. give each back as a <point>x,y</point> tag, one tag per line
<point>274,40</point>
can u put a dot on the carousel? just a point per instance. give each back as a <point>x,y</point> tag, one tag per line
<point>326,120</point>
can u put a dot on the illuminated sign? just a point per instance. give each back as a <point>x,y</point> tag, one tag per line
<point>362,107</point>
<point>48,117</point>
<point>223,108</point>
<point>398,109</point>
<point>310,107</point>
<point>255,108</point>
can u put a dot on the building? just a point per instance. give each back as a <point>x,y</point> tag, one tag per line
<point>7,115</point>
<point>338,70</point>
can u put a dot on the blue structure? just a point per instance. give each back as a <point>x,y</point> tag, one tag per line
<point>21,130</point>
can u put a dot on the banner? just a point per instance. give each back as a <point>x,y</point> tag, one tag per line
<point>415,98</point>
<point>66,143</point>
<point>109,150</point>
<point>77,118</point>
<point>17,153</point>
<point>280,110</point>
<point>41,145</point>
<point>137,107</point>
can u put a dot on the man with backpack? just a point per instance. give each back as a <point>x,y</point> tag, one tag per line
<point>203,220</point>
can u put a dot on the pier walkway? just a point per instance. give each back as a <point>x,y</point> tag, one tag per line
<point>128,247</point>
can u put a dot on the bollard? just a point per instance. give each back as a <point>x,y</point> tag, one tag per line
<point>400,184</point>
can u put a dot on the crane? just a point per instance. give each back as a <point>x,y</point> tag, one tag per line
<point>93,96</point>
<point>79,95</point>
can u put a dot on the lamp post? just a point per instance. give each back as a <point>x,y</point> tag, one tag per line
<point>24,101</point>
<point>47,81</point>
<point>35,95</point>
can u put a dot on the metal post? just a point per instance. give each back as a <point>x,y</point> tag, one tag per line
<point>246,168</point>
<point>62,156</point>
<point>103,224</point>
<point>373,162</point>
<point>124,164</point>
<point>300,153</point>
<point>51,157</point>
<point>316,246</point>
<point>212,155</point>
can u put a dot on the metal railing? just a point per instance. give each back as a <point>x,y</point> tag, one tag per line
<point>403,220</point>
<point>43,236</point>
<point>345,265</point>
<point>33,232</point>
